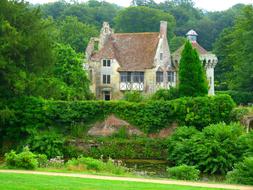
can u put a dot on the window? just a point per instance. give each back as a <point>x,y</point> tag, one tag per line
<point>106,62</point>
<point>171,76</point>
<point>132,77</point>
<point>159,77</point>
<point>125,76</point>
<point>161,56</point>
<point>138,77</point>
<point>106,79</point>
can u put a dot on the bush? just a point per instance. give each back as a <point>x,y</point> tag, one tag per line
<point>133,96</point>
<point>87,163</point>
<point>245,144</point>
<point>238,113</point>
<point>49,143</point>
<point>42,160</point>
<point>183,172</point>
<point>166,94</point>
<point>25,159</point>
<point>213,151</point>
<point>239,97</point>
<point>242,173</point>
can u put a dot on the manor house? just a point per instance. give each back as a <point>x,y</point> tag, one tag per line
<point>120,62</point>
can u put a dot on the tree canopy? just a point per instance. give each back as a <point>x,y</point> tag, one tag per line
<point>234,48</point>
<point>142,19</point>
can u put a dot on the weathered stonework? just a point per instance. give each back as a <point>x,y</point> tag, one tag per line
<point>140,54</point>
<point>138,61</point>
<point>112,125</point>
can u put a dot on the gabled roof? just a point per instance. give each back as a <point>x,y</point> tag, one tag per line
<point>133,51</point>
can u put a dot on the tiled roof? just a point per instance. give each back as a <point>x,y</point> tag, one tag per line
<point>195,45</point>
<point>133,51</point>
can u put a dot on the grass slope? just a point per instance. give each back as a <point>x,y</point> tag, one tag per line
<point>40,182</point>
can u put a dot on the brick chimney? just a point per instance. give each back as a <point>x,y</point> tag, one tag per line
<point>163,29</point>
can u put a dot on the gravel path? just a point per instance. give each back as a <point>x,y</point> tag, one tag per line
<point>160,181</point>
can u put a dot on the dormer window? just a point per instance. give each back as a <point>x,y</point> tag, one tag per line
<point>106,62</point>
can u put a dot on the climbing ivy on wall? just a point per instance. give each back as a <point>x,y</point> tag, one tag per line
<point>34,114</point>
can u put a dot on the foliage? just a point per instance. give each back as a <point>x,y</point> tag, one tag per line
<point>213,151</point>
<point>87,163</point>
<point>21,56</point>
<point>166,94</point>
<point>69,69</point>
<point>76,33</point>
<point>133,96</point>
<point>239,63</point>
<point>121,133</point>
<point>142,19</point>
<point>35,114</point>
<point>183,172</point>
<point>192,79</point>
<point>242,173</point>
<point>50,144</point>
<point>56,162</point>
<point>176,42</point>
<point>245,143</point>
<point>238,113</point>
<point>240,97</point>
<point>132,148</point>
<point>25,159</point>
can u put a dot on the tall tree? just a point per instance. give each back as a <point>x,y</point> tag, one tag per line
<point>192,79</point>
<point>234,48</point>
<point>142,19</point>
<point>76,33</point>
<point>26,47</point>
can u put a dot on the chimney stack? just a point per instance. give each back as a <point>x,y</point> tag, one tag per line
<point>163,29</point>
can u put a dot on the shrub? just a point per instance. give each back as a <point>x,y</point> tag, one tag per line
<point>238,113</point>
<point>42,160</point>
<point>87,163</point>
<point>213,151</point>
<point>245,144</point>
<point>242,173</point>
<point>166,94</point>
<point>25,159</point>
<point>133,96</point>
<point>49,143</point>
<point>183,172</point>
<point>239,97</point>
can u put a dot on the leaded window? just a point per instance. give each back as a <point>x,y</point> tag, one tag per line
<point>171,76</point>
<point>159,77</point>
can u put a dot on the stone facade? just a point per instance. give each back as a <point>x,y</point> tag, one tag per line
<point>121,62</point>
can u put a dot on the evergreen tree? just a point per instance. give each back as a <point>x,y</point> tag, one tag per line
<point>192,79</point>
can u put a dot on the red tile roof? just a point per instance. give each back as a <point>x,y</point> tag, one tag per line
<point>133,51</point>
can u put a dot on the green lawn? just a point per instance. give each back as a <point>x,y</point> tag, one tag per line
<point>40,182</point>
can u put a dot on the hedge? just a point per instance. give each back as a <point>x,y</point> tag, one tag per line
<point>33,114</point>
<point>240,98</point>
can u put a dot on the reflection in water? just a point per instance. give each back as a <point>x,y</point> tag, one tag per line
<point>147,167</point>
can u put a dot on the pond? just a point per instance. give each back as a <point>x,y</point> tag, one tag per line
<point>155,168</point>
